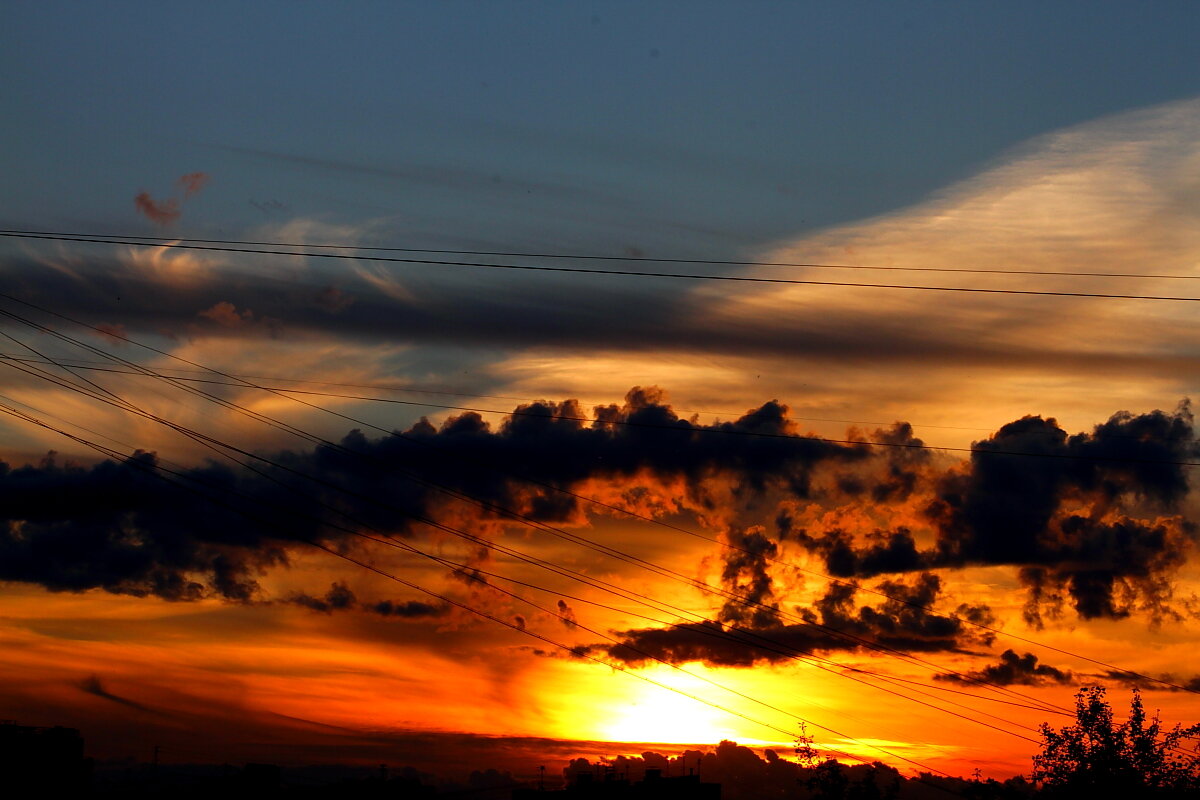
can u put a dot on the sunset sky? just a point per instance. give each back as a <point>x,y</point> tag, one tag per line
<point>429,506</point>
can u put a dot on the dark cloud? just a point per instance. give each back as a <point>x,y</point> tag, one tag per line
<point>470,576</point>
<point>93,686</point>
<point>906,458</point>
<point>341,598</point>
<point>1089,525</point>
<point>552,444</point>
<point>880,552</point>
<point>116,526</point>
<point>496,309</point>
<point>1013,669</point>
<point>1090,520</point>
<point>1165,682</point>
<point>411,609</point>
<point>566,615</point>
<point>747,577</point>
<point>1001,509</point>
<point>901,622</point>
<point>338,598</point>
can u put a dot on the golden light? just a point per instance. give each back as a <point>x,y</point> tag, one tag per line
<point>659,715</point>
<point>652,713</point>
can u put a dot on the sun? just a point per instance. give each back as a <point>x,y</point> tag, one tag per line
<point>660,715</point>
<point>664,709</point>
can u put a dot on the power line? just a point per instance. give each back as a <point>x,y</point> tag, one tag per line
<point>738,635</point>
<point>440,526</point>
<point>386,387</point>
<point>592,257</point>
<point>515,515</point>
<point>89,347</point>
<point>208,441</point>
<point>572,650</point>
<point>575,651</point>
<point>241,382</point>
<point>614,272</point>
<point>715,632</point>
<point>595,583</point>
<point>608,587</point>
<point>683,428</point>
<point>730,278</point>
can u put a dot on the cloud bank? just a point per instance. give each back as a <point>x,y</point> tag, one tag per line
<point>1092,523</point>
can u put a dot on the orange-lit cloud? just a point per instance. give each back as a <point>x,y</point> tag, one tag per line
<point>227,315</point>
<point>165,212</point>
<point>160,212</point>
<point>192,183</point>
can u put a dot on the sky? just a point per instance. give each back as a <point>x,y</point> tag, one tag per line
<point>428,506</point>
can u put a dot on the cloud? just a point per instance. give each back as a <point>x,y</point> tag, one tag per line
<point>1087,521</point>
<point>1013,669</point>
<point>1091,519</point>
<point>192,183</point>
<point>114,526</point>
<point>338,598</point>
<point>160,213</point>
<point>93,686</point>
<point>383,281</point>
<point>165,212</point>
<point>1110,195</point>
<point>567,615</point>
<point>227,317</point>
<point>900,622</point>
<point>1166,682</point>
<point>747,577</point>
<point>226,314</point>
<point>410,609</point>
<point>882,552</point>
<point>341,598</point>
<point>117,526</point>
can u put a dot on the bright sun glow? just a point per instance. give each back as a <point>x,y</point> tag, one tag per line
<point>659,715</point>
<point>650,713</point>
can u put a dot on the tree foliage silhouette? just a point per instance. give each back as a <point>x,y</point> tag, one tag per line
<point>1096,757</point>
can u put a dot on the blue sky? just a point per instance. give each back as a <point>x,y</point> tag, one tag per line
<point>694,128</point>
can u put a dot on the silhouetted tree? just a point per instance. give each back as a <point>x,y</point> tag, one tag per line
<point>1095,757</point>
<point>828,781</point>
<point>806,752</point>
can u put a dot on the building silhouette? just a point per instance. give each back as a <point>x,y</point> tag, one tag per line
<point>39,760</point>
<point>653,786</point>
